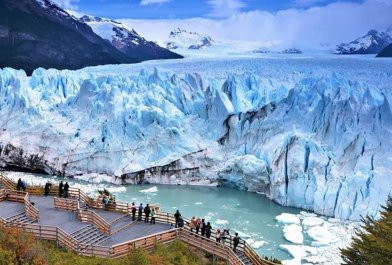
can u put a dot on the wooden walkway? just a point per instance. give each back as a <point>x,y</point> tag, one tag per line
<point>79,223</point>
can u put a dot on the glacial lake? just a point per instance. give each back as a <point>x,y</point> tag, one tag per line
<point>250,214</point>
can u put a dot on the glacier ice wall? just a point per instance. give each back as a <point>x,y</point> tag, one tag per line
<point>319,141</point>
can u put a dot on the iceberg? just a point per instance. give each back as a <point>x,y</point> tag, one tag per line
<point>293,233</point>
<point>313,133</point>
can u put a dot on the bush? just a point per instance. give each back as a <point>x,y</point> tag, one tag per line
<point>372,243</point>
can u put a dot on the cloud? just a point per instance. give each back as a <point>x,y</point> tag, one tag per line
<point>153,2</point>
<point>225,8</point>
<point>67,4</point>
<point>331,24</point>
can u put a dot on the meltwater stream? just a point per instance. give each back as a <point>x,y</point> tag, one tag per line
<point>250,214</point>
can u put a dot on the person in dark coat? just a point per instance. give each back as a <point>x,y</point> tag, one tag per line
<point>24,185</point>
<point>180,222</point>
<point>147,212</point>
<point>48,185</point>
<point>236,241</point>
<point>61,187</point>
<point>133,209</point>
<point>66,187</point>
<point>177,216</point>
<point>208,230</point>
<point>19,184</point>
<point>203,227</point>
<point>140,212</point>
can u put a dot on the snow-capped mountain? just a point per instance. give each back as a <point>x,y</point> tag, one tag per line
<point>307,136</point>
<point>38,33</point>
<point>126,39</point>
<point>180,38</point>
<point>372,43</point>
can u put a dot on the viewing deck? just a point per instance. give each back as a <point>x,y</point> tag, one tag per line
<point>81,224</point>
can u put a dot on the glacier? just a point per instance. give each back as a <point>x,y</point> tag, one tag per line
<point>313,133</point>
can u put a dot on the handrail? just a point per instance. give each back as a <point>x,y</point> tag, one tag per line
<point>30,209</point>
<point>209,245</point>
<point>66,204</point>
<point>92,217</point>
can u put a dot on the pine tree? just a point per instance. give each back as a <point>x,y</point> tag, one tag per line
<point>372,243</point>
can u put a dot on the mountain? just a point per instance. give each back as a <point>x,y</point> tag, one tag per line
<point>386,52</point>
<point>127,40</point>
<point>180,38</point>
<point>40,34</point>
<point>372,43</point>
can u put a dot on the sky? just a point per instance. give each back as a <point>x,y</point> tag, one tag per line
<point>291,22</point>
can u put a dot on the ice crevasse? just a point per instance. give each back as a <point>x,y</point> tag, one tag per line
<point>321,142</point>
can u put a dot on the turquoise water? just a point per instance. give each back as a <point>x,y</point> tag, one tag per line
<point>250,214</point>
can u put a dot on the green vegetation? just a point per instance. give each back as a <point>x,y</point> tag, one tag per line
<point>20,248</point>
<point>372,243</point>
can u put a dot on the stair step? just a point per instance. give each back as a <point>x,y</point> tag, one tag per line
<point>119,219</point>
<point>120,225</point>
<point>87,235</point>
<point>82,230</point>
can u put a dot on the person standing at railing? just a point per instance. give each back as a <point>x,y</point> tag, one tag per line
<point>140,212</point>
<point>236,241</point>
<point>24,185</point>
<point>61,187</point>
<point>66,188</point>
<point>147,212</point>
<point>177,216</point>
<point>198,223</point>
<point>133,210</point>
<point>208,230</point>
<point>192,224</point>
<point>218,235</point>
<point>224,235</point>
<point>152,216</point>
<point>203,227</point>
<point>48,185</point>
<point>19,184</point>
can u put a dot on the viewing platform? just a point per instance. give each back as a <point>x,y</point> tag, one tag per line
<point>81,224</point>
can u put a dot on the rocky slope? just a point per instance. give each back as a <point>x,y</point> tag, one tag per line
<point>372,43</point>
<point>180,38</point>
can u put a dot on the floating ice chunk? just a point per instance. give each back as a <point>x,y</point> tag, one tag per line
<point>257,244</point>
<point>150,190</point>
<point>297,251</point>
<point>315,260</point>
<point>250,241</point>
<point>312,221</point>
<point>221,222</point>
<point>322,235</point>
<point>288,218</point>
<point>198,203</point>
<point>293,233</point>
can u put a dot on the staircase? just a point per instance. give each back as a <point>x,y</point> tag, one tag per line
<point>120,223</point>
<point>89,235</point>
<point>241,255</point>
<point>20,218</point>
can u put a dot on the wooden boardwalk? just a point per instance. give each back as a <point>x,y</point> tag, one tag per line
<point>79,223</point>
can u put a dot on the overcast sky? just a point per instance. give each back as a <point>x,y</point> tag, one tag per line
<point>306,22</point>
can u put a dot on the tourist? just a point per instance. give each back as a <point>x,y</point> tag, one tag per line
<point>61,187</point>
<point>177,216</point>
<point>203,227</point>
<point>224,235</point>
<point>192,224</point>
<point>208,230</point>
<point>218,235</point>
<point>152,216</point>
<point>236,241</point>
<point>198,223</point>
<point>66,188</point>
<point>48,185</point>
<point>105,201</point>
<point>140,212</point>
<point>180,223</point>
<point>147,212</point>
<point>19,184</point>
<point>133,209</point>
<point>24,185</point>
